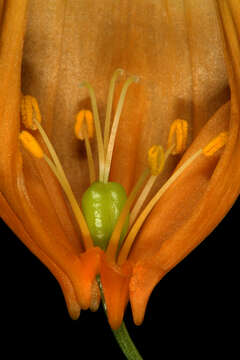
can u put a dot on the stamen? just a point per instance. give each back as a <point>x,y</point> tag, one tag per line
<point>30,111</point>
<point>111,142</point>
<point>148,186</point>
<point>57,169</point>
<point>97,128</point>
<point>215,144</point>
<point>113,242</point>
<point>33,119</point>
<point>84,117</point>
<point>51,150</point>
<point>83,131</point>
<point>117,73</point>
<point>87,240</point>
<point>141,199</point>
<point>178,136</point>
<point>156,159</point>
<point>138,224</point>
<point>31,144</point>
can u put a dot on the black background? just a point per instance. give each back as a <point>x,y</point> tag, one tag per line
<point>191,312</point>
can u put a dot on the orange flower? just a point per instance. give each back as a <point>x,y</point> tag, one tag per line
<point>179,77</point>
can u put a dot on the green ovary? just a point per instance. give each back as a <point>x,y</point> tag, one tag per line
<point>102,205</point>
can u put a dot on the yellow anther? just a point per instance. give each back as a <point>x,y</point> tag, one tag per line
<point>215,144</point>
<point>31,144</point>
<point>30,112</point>
<point>84,118</point>
<point>178,136</point>
<point>156,159</point>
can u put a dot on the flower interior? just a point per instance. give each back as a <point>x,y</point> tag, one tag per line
<point>107,217</point>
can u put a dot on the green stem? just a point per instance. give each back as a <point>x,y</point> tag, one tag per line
<point>121,334</point>
<point>126,344</point>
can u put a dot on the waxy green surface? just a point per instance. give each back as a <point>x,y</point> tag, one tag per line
<point>101,206</point>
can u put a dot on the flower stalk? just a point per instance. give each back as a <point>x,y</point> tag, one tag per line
<point>121,334</point>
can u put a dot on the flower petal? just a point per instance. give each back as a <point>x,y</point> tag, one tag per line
<point>223,185</point>
<point>29,187</point>
<point>10,218</point>
<point>90,267</point>
<point>179,78</point>
<point>48,201</point>
<point>115,283</point>
<point>198,199</point>
<point>11,42</point>
<point>158,41</point>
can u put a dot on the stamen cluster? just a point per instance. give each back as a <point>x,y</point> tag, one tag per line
<point>84,130</point>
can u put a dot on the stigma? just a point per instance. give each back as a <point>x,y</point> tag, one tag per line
<point>107,217</point>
